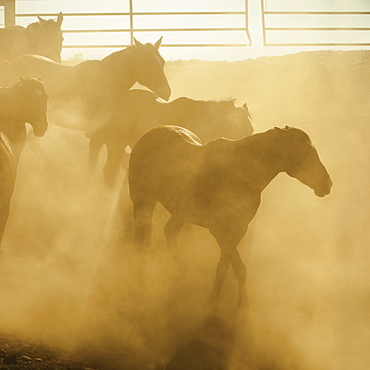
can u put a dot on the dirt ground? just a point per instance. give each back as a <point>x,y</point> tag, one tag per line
<point>67,302</point>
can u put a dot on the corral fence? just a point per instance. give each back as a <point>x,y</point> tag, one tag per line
<point>278,26</point>
<point>129,18</point>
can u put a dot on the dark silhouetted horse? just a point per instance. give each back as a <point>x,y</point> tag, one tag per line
<point>25,102</point>
<point>141,110</point>
<point>41,38</point>
<point>7,176</point>
<point>217,185</point>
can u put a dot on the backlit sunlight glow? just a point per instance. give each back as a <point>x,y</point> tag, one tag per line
<point>121,22</point>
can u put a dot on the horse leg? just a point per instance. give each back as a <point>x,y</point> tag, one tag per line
<point>94,150</point>
<point>228,242</point>
<point>221,271</point>
<point>172,231</point>
<point>240,272</point>
<point>143,214</point>
<point>112,166</point>
<point>4,214</point>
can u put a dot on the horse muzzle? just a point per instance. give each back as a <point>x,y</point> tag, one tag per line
<point>324,190</point>
<point>40,129</point>
<point>164,93</point>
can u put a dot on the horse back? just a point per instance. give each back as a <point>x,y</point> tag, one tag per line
<point>162,156</point>
<point>13,42</point>
<point>53,74</point>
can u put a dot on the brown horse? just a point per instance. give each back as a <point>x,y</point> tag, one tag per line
<point>217,185</point>
<point>86,93</point>
<point>7,176</point>
<point>141,110</point>
<point>41,38</point>
<point>25,102</point>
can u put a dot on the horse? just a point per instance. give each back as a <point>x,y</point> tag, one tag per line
<point>141,110</point>
<point>94,79</point>
<point>42,38</point>
<point>7,175</point>
<point>87,92</point>
<point>25,102</point>
<point>217,185</point>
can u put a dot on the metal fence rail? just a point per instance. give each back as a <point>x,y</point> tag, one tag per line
<point>266,29</point>
<point>11,17</point>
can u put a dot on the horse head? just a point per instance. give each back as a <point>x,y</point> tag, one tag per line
<point>303,162</point>
<point>47,38</point>
<point>244,117</point>
<point>150,68</point>
<point>236,122</point>
<point>32,104</point>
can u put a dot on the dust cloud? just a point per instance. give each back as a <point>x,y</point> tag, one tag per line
<point>69,273</point>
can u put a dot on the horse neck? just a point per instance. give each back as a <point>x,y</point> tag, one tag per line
<point>118,69</point>
<point>263,157</point>
<point>183,110</point>
<point>11,121</point>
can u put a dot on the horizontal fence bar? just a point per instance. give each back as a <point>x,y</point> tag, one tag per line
<point>127,14</point>
<point>320,44</point>
<point>156,30</point>
<point>317,29</point>
<point>130,30</point>
<point>162,45</point>
<point>265,29</point>
<point>278,12</point>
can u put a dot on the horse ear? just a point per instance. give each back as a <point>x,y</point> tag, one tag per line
<point>60,19</point>
<point>279,130</point>
<point>138,43</point>
<point>245,106</point>
<point>158,43</point>
<point>41,20</point>
<point>22,79</point>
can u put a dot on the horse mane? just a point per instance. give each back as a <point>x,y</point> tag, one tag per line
<point>201,107</point>
<point>229,102</point>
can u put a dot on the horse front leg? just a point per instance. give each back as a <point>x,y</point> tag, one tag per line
<point>240,272</point>
<point>95,145</point>
<point>228,240</point>
<point>143,215</point>
<point>112,167</point>
<point>172,232</point>
<point>221,271</point>
<point>4,214</point>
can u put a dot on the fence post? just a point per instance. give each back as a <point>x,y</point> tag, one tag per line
<point>247,22</point>
<point>9,12</point>
<point>263,22</point>
<point>131,24</point>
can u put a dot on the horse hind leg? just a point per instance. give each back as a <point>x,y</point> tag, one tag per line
<point>221,271</point>
<point>94,149</point>
<point>240,272</point>
<point>112,167</point>
<point>172,231</point>
<point>143,215</point>
<point>229,255</point>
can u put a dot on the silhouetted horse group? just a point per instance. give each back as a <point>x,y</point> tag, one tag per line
<point>216,185</point>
